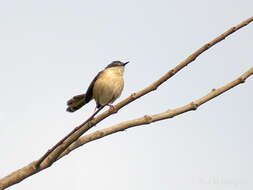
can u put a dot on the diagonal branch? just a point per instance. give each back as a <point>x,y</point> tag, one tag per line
<point>147,119</point>
<point>67,136</point>
<point>31,168</point>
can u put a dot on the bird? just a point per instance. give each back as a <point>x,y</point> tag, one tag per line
<point>105,88</point>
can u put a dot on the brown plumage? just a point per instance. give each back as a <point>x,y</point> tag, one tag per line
<point>105,88</point>
<point>76,102</point>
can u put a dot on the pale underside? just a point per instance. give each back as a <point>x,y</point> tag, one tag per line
<point>108,86</point>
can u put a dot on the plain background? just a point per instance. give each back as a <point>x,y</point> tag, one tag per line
<point>51,50</point>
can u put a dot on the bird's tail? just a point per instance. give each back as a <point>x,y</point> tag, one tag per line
<point>76,102</point>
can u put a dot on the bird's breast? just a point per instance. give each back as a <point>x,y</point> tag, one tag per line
<point>108,87</point>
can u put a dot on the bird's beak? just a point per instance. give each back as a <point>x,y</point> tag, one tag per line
<point>124,64</point>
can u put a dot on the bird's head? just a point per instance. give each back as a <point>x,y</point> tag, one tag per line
<point>117,64</point>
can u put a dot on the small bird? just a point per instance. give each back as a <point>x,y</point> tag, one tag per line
<point>105,88</point>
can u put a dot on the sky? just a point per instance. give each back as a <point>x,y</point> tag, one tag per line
<point>51,50</point>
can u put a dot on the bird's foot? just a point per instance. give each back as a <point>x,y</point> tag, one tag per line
<point>112,108</point>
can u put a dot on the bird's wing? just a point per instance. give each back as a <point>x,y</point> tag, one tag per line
<point>89,92</point>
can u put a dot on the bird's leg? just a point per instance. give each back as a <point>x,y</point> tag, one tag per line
<point>95,110</point>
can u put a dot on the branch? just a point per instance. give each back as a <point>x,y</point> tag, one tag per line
<point>31,168</point>
<point>66,137</point>
<point>156,117</point>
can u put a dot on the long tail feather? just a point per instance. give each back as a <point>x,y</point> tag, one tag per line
<point>76,103</point>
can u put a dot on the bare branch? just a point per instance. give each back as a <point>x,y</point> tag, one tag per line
<point>66,137</point>
<point>156,117</point>
<point>31,168</point>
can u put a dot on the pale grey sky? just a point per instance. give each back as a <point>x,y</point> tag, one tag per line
<point>51,50</point>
